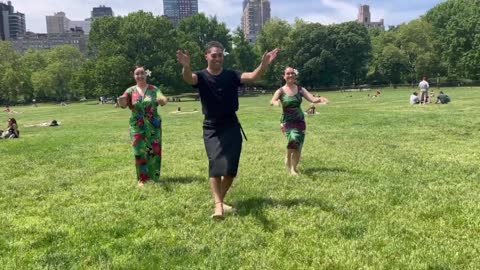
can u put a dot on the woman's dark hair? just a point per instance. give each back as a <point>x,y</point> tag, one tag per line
<point>12,120</point>
<point>213,44</point>
<point>132,69</point>
<point>415,93</point>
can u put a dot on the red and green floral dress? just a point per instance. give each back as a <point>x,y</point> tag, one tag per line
<point>145,132</point>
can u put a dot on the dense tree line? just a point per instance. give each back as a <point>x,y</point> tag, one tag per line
<point>444,43</point>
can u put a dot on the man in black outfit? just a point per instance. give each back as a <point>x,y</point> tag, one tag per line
<point>218,90</point>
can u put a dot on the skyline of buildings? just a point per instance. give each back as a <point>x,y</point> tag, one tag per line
<point>61,30</point>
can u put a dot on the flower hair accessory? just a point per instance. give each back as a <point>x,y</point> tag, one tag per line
<point>295,71</point>
<point>148,73</point>
<point>225,53</point>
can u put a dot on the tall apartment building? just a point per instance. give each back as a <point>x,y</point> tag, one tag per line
<point>364,18</point>
<point>12,24</point>
<point>177,10</point>
<point>255,14</point>
<point>58,23</point>
<point>101,11</point>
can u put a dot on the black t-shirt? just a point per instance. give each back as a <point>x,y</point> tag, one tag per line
<point>218,93</point>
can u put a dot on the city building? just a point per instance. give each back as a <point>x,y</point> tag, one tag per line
<point>85,25</point>
<point>255,14</point>
<point>364,18</point>
<point>12,24</point>
<point>177,10</point>
<point>48,41</point>
<point>101,11</point>
<point>58,23</point>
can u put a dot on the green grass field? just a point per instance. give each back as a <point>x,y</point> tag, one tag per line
<point>384,185</point>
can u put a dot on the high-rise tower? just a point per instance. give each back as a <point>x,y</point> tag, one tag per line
<point>255,14</point>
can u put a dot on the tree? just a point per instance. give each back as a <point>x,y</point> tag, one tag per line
<point>415,39</point>
<point>244,57</point>
<point>352,49</point>
<point>275,34</point>
<point>455,25</point>
<point>113,75</point>
<point>55,81</point>
<point>392,63</point>
<point>137,39</point>
<point>8,76</point>
<point>311,51</point>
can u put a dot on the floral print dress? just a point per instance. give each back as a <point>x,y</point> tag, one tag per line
<point>293,119</point>
<point>145,132</point>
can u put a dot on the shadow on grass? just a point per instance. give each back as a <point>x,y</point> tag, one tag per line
<point>167,182</point>
<point>256,206</point>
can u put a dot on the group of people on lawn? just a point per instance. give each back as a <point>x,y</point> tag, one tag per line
<point>425,97</point>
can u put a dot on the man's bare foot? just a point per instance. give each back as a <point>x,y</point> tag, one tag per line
<point>294,172</point>
<point>141,184</point>
<point>218,214</point>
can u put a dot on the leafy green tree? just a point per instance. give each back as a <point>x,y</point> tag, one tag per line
<point>352,50</point>
<point>137,39</point>
<point>8,77</point>
<point>275,34</point>
<point>202,29</point>
<point>310,51</point>
<point>455,25</point>
<point>55,81</point>
<point>415,39</point>
<point>113,75</point>
<point>243,53</point>
<point>392,63</point>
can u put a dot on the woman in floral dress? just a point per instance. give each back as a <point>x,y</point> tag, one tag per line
<point>293,121</point>
<point>145,126</point>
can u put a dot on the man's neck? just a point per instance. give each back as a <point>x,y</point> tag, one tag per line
<point>214,71</point>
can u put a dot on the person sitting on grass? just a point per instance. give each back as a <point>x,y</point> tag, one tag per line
<point>12,130</point>
<point>312,109</point>
<point>54,123</point>
<point>414,99</point>
<point>10,111</point>
<point>443,98</point>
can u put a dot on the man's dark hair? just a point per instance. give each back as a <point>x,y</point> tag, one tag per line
<point>441,92</point>
<point>213,44</point>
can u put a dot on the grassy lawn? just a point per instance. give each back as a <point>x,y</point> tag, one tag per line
<point>384,185</point>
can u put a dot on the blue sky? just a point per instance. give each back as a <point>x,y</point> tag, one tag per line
<point>229,11</point>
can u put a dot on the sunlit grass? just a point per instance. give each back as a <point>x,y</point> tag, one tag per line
<point>384,185</point>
